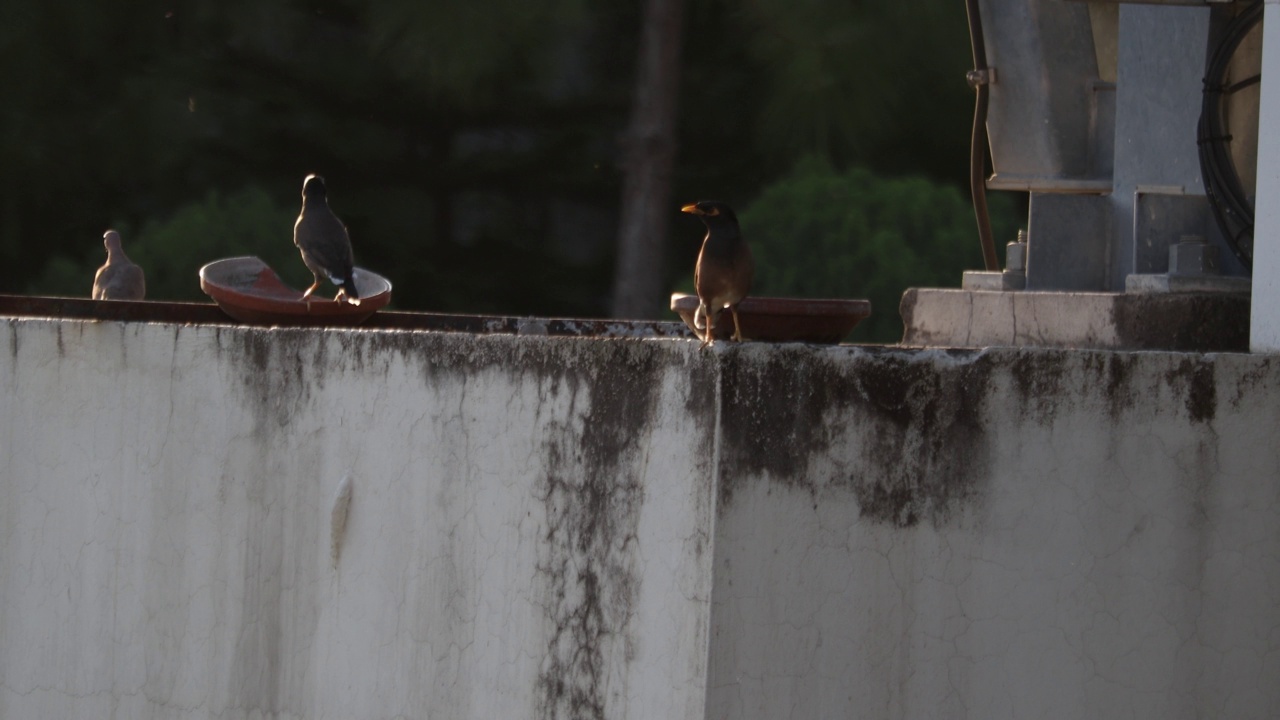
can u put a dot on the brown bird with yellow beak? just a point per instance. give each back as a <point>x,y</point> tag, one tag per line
<point>722,276</point>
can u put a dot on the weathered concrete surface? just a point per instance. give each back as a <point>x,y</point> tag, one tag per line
<point>1200,322</point>
<point>573,528</point>
<point>998,534</point>
<point>527,536</point>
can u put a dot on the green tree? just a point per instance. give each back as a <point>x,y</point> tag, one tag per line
<point>823,233</point>
<point>171,250</point>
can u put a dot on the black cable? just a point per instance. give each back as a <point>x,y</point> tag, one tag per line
<point>977,142</point>
<point>1231,207</point>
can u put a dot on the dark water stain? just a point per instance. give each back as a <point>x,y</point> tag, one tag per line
<point>1121,395</point>
<point>1183,321</point>
<point>278,369</point>
<point>1194,377</point>
<point>1258,379</point>
<point>1037,377</point>
<point>916,417</point>
<point>592,494</point>
<point>590,488</point>
<point>1113,373</point>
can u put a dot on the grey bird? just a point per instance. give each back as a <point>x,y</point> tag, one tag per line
<point>725,268</point>
<point>324,243</point>
<point>118,278</point>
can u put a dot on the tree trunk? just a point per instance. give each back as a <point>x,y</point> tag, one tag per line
<point>648,152</point>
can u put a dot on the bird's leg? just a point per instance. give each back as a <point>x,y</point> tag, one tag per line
<point>707,336</point>
<point>306,296</point>
<point>737,331</point>
<point>342,296</point>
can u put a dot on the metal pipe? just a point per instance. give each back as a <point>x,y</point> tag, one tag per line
<point>979,78</point>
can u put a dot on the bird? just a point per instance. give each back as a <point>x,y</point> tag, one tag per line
<point>118,278</point>
<point>324,243</point>
<point>723,274</point>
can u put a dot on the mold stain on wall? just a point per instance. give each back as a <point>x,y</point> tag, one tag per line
<point>1194,378</point>
<point>596,408</point>
<point>1038,379</point>
<point>592,492</point>
<point>277,369</point>
<point>904,431</point>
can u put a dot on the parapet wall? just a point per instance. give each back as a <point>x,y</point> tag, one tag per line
<point>583,528</point>
<point>999,534</point>
<point>527,535</point>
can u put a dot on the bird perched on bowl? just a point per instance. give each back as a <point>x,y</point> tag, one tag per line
<point>722,276</point>
<point>118,278</point>
<point>324,243</point>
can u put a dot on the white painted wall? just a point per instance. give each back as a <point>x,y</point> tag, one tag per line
<point>164,530</point>
<point>1264,316</point>
<point>1110,545</point>
<point>578,528</point>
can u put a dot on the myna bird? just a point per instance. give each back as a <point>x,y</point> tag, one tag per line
<point>722,276</point>
<point>118,278</point>
<point>324,243</point>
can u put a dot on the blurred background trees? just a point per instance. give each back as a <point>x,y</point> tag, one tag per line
<point>912,231</point>
<point>473,146</point>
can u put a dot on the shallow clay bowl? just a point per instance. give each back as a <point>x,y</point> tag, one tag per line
<point>248,290</point>
<point>782,319</point>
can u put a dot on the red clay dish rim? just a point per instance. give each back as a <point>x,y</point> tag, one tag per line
<point>249,284</point>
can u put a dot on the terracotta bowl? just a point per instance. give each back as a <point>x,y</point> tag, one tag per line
<point>782,319</point>
<point>248,290</point>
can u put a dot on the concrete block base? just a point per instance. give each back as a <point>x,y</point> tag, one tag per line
<point>1171,283</point>
<point>998,280</point>
<point>1182,321</point>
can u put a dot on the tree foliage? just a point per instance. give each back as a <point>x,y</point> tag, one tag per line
<point>464,52</point>
<point>823,233</point>
<point>171,251</point>
<point>848,81</point>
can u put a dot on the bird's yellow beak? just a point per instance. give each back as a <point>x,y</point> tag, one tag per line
<point>695,210</point>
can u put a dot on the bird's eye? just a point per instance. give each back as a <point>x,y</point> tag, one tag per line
<point>713,210</point>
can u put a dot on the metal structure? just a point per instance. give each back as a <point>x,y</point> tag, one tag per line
<point>1105,112</point>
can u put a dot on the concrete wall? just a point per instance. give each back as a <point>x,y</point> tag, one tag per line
<point>528,534</point>
<point>578,528</point>
<point>999,534</point>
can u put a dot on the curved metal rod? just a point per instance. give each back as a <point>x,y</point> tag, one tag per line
<point>977,142</point>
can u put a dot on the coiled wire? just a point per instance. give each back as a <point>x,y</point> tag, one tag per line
<point>1231,206</point>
